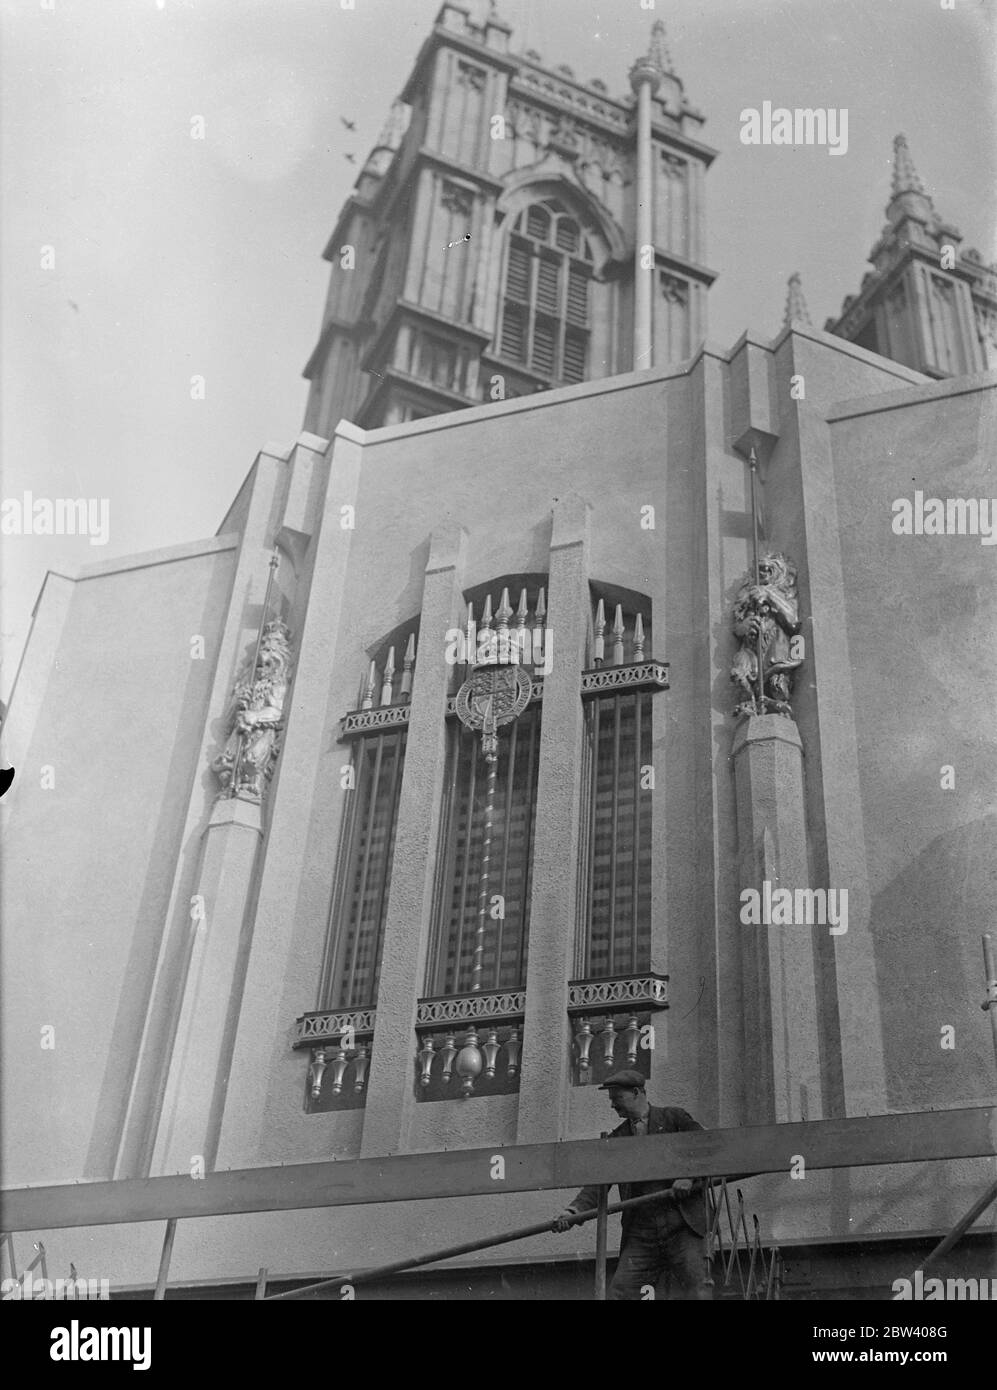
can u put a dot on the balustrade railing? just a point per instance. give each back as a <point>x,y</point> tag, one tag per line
<point>612,1023</point>
<point>340,1043</point>
<point>469,1045</point>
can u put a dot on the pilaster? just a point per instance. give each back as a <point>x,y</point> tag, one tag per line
<point>408,920</point>
<point>782,1056</point>
<point>830,711</point>
<point>545,1081</point>
<point>190,1121</point>
<point>140,1136</point>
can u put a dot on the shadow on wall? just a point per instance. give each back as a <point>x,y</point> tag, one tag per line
<point>929,963</point>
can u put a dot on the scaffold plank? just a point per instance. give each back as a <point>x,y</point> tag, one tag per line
<point>915,1137</point>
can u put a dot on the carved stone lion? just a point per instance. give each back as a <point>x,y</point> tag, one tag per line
<point>766,619</point>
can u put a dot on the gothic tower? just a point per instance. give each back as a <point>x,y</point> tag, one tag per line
<point>925,303</point>
<point>493,240</point>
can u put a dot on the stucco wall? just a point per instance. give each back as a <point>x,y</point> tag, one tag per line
<point>922,632</point>
<point>89,861</point>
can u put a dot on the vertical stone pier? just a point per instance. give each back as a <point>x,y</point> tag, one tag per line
<point>782,1053</point>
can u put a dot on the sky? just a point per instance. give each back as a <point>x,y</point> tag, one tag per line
<point>172,257</point>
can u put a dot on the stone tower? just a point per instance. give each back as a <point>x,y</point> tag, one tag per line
<point>925,303</point>
<point>492,243</point>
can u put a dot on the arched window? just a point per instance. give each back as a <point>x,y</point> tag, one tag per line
<point>545,294</point>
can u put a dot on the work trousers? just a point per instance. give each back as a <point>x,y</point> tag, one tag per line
<point>661,1253</point>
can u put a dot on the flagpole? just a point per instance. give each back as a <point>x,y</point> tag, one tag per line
<point>753,464</point>
<point>237,765</point>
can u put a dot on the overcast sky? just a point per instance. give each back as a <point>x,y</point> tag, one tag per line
<point>176,257</point>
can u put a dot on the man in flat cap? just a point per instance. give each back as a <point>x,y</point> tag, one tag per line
<point>662,1241</point>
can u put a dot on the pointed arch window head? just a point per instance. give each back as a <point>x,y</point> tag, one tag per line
<point>545,294</point>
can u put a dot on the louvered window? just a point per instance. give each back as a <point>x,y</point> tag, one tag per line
<point>574,356</point>
<point>513,336</point>
<point>537,223</point>
<point>517,284</point>
<point>547,285</point>
<point>544,339</point>
<point>578,295</point>
<point>545,300</point>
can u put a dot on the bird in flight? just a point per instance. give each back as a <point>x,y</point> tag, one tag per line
<point>350,125</point>
<point>351,157</point>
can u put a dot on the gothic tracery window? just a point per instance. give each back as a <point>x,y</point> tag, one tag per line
<point>545,294</point>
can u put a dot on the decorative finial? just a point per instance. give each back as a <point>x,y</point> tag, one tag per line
<point>395,126</point>
<point>658,52</point>
<point>905,176</point>
<point>796,305</point>
<point>655,63</point>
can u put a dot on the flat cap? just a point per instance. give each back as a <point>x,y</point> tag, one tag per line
<point>625,1079</point>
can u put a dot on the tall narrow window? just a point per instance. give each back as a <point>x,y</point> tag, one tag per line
<point>618,902</point>
<point>481,914</point>
<point>511,859</point>
<point>365,870</point>
<point>545,298</point>
<point>618,784</point>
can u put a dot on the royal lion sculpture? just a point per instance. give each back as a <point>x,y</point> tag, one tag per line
<point>766,620</point>
<point>255,718</point>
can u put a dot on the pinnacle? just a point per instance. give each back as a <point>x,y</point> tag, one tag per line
<point>655,63</point>
<point>658,55</point>
<point>394,126</point>
<point>796,305</point>
<point>905,176</point>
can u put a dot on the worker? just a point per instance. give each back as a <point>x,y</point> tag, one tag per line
<point>664,1243</point>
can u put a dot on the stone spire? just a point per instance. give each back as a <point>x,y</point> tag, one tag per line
<point>905,176</point>
<point>908,200</point>
<point>796,305</point>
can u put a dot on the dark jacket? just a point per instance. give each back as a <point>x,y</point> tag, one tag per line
<point>661,1119</point>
